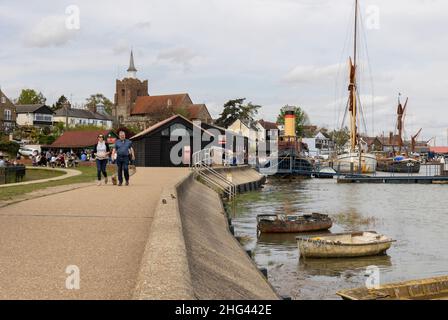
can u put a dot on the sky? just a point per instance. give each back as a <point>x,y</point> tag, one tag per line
<point>272,52</point>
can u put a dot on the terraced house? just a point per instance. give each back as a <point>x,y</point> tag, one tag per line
<point>7,114</point>
<point>72,117</point>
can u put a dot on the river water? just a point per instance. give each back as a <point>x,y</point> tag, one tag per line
<point>414,215</point>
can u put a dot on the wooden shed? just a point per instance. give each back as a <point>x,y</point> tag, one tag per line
<point>153,146</point>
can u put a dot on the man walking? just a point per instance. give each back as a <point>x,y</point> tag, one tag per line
<point>123,152</point>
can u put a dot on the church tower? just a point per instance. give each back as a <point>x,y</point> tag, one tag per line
<point>126,92</point>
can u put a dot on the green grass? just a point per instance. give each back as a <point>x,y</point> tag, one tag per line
<point>37,174</point>
<point>88,175</point>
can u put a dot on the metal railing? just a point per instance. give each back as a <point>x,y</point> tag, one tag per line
<point>202,167</point>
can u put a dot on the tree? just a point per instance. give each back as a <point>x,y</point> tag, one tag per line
<point>60,103</point>
<point>302,118</point>
<point>30,96</point>
<point>236,109</point>
<point>99,98</point>
<point>340,137</point>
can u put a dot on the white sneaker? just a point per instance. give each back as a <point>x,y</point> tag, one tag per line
<point>98,183</point>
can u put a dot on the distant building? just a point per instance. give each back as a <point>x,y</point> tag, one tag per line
<point>319,145</point>
<point>80,140</point>
<point>72,117</point>
<point>7,114</point>
<point>38,115</point>
<point>134,106</point>
<point>264,128</point>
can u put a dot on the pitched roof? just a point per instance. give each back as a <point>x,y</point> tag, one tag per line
<point>195,109</point>
<point>154,104</point>
<point>163,122</point>
<point>78,139</point>
<point>81,113</point>
<point>439,150</point>
<point>29,108</point>
<point>268,125</point>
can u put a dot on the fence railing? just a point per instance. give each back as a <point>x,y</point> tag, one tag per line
<point>12,174</point>
<point>202,166</point>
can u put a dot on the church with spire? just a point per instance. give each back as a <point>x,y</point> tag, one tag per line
<point>133,106</point>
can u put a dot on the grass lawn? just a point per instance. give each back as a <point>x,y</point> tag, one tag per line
<point>37,174</point>
<point>88,175</point>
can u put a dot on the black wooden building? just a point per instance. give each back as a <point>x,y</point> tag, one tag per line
<point>153,146</point>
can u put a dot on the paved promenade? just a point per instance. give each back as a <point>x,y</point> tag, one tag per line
<point>102,230</point>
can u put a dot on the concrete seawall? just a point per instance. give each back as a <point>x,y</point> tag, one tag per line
<point>190,253</point>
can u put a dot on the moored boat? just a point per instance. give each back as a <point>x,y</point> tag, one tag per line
<point>350,163</point>
<point>280,223</point>
<point>425,289</point>
<point>344,245</point>
<point>325,173</point>
<point>398,164</point>
<point>356,159</point>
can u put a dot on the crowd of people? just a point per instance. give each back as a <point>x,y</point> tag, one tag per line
<point>54,159</point>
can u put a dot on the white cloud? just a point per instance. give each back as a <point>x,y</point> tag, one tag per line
<point>309,74</point>
<point>180,56</point>
<point>50,31</point>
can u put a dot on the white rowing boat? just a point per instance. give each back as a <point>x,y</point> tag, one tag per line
<point>344,245</point>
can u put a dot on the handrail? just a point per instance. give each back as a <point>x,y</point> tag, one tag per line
<point>201,165</point>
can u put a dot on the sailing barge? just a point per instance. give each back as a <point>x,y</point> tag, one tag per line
<point>276,223</point>
<point>401,163</point>
<point>355,160</point>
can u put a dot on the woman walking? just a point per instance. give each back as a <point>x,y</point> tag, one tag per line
<point>101,152</point>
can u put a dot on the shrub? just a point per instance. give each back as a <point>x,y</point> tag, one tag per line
<point>9,147</point>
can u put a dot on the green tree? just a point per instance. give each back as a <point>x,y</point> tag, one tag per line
<point>302,118</point>
<point>340,137</point>
<point>236,109</point>
<point>99,98</point>
<point>58,105</point>
<point>30,96</point>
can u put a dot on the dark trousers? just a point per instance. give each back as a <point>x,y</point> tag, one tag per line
<point>101,168</point>
<point>123,166</point>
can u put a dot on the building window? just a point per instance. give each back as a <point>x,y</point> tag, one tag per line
<point>3,100</point>
<point>42,117</point>
<point>123,92</point>
<point>7,115</point>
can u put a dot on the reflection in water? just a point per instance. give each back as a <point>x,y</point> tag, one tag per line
<point>284,238</point>
<point>337,267</point>
<point>415,215</point>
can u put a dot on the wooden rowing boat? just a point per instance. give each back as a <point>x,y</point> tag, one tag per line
<point>425,289</point>
<point>280,223</point>
<point>344,245</point>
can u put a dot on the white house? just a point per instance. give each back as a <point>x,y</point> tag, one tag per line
<point>319,145</point>
<point>38,115</point>
<point>72,117</point>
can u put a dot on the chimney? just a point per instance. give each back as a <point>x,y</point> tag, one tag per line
<point>391,137</point>
<point>290,122</point>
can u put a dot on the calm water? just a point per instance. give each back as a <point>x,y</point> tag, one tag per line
<point>415,215</point>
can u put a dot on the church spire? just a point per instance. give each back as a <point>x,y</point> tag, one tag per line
<point>132,70</point>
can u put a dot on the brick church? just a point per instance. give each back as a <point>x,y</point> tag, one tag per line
<point>134,106</point>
